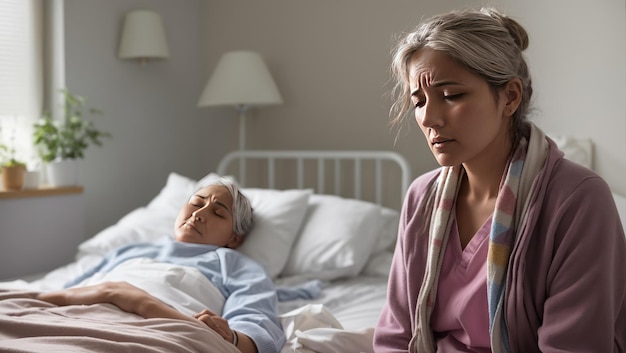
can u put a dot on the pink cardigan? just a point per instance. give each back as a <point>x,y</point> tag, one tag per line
<point>566,280</point>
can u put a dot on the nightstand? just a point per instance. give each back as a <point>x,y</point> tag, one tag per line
<point>40,229</point>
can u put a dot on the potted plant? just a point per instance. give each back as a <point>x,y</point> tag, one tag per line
<point>61,144</point>
<point>13,171</point>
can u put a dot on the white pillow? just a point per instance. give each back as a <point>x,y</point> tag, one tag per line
<point>174,194</point>
<point>138,226</point>
<point>337,237</point>
<point>379,264</point>
<point>277,219</point>
<point>389,232</point>
<point>278,215</point>
<point>144,224</point>
<point>575,149</point>
<point>620,203</point>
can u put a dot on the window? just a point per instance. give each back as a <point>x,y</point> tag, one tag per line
<point>21,73</point>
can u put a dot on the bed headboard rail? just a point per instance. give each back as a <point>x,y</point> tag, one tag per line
<point>370,174</point>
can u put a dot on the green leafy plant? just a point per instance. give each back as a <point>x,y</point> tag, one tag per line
<point>12,162</point>
<point>67,139</point>
<point>7,156</point>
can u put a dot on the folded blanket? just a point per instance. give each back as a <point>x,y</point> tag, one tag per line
<point>184,288</point>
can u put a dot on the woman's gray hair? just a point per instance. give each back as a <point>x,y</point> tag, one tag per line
<point>242,209</point>
<point>485,41</point>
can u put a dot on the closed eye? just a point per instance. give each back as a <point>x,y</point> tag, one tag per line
<point>196,201</point>
<point>452,97</point>
<point>418,100</point>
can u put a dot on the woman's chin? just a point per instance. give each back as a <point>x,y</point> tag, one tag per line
<point>187,237</point>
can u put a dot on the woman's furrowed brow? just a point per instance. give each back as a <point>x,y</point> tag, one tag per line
<point>215,201</point>
<point>223,205</point>
<point>436,84</point>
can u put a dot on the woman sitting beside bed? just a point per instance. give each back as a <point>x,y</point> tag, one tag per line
<point>507,247</point>
<point>208,229</point>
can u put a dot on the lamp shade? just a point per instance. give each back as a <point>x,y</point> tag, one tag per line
<point>241,78</point>
<point>143,36</point>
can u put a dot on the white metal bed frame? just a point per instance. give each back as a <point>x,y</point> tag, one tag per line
<point>331,161</point>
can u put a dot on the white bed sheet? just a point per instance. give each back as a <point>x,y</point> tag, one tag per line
<point>355,302</point>
<point>340,320</point>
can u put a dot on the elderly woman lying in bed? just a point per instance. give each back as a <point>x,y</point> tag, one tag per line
<point>238,301</point>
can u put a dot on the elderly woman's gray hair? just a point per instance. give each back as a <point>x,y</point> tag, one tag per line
<point>484,41</point>
<point>242,209</point>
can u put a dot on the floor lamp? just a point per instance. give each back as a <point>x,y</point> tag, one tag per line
<point>241,79</point>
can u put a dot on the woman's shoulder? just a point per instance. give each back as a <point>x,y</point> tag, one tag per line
<point>574,191</point>
<point>424,181</point>
<point>568,177</point>
<point>420,188</point>
<point>418,195</point>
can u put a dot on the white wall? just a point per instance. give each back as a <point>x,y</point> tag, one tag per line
<point>330,60</point>
<point>150,111</point>
<point>577,55</point>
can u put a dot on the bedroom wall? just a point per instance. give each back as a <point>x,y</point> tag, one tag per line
<point>330,60</point>
<point>578,59</point>
<point>150,111</point>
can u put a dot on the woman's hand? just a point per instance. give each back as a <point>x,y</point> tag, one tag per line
<point>218,324</point>
<point>122,294</point>
<point>73,296</point>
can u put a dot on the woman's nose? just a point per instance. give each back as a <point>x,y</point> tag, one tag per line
<point>198,215</point>
<point>430,115</point>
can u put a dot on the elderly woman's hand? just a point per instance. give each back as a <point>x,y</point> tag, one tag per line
<point>122,294</point>
<point>218,324</point>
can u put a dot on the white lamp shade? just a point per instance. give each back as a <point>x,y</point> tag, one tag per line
<point>240,79</point>
<point>143,36</point>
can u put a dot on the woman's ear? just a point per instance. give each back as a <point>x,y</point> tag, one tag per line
<point>512,93</point>
<point>235,241</point>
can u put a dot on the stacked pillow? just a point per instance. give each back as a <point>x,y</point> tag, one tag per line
<point>620,202</point>
<point>337,237</point>
<point>295,233</point>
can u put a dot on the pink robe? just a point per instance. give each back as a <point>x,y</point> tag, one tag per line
<point>566,281</point>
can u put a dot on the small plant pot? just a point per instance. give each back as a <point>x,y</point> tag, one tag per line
<point>13,177</point>
<point>63,173</point>
<point>31,179</point>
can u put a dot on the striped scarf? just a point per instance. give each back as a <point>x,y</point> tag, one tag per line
<point>516,190</point>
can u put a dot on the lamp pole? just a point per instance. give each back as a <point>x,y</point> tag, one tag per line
<point>243,109</point>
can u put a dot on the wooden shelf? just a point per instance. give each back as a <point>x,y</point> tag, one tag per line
<point>43,190</point>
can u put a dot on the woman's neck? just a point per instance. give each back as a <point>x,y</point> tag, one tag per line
<point>484,174</point>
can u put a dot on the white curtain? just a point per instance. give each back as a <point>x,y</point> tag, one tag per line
<point>21,73</point>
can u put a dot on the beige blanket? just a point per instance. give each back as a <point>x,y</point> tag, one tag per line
<point>30,325</point>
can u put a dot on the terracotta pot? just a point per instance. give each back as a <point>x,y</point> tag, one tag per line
<point>13,177</point>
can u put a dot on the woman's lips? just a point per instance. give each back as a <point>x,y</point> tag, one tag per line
<point>440,142</point>
<point>192,227</point>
